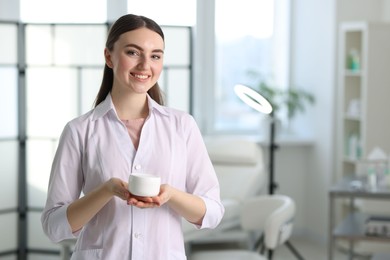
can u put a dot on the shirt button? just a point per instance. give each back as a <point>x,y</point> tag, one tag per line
<point>137,167</point>
<point>137,235</point>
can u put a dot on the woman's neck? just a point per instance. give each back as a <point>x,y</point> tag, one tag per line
<point>130,105</point>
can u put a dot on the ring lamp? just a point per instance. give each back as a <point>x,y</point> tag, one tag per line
<point>253,99</point>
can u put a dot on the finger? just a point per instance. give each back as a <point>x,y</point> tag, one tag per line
<point>141,204</point>
<point>144,199</point>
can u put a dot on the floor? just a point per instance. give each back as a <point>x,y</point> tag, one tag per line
<point>308,249</point>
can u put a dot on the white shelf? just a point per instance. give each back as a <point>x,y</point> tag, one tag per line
<point>352,73</point>
<point>352,117</point>
<point>368,84</point>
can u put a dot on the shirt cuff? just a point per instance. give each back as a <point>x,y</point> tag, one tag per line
<point>60,225</point>
<point>213,215</point>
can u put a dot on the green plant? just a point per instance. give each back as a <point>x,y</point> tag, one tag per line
<point>292,99</point>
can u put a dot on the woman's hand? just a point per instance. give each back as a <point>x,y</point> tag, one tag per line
<point>118,188</point>
<point>85,208</point>
<point>189,206</point>
<point>151,202</point>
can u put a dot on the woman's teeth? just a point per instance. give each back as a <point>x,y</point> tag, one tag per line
<point>140,76</point>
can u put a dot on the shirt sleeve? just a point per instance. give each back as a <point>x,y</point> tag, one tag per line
<point>64,187</point>
<point>201,177</point>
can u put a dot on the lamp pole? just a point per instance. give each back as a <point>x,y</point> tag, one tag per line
<point>256,101</point>
<point>272,147</point>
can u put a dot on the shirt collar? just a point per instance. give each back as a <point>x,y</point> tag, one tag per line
<point>107,105</point>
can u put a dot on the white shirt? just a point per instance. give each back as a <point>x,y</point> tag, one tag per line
<point>95,147</point>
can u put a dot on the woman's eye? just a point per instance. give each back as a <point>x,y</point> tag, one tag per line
<point>156,57</point>
<point>132,53</point>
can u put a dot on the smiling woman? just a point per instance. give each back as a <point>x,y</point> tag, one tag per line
<point>56,66</point>
<point>130,131</point>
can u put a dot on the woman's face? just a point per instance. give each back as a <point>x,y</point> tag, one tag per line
<point>136,60</point>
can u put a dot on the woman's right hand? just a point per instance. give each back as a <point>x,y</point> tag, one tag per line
<point>118,188</point>
<point>85,208</point>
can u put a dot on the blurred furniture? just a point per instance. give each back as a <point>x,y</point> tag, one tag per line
<point>239,165</point>
<point>352,228</point>
<point>272,215</point>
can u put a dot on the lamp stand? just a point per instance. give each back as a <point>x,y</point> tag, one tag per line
<point>272,147</point>
<point>272,184</point>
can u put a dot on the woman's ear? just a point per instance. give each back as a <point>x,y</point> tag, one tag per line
<point>107,57</point>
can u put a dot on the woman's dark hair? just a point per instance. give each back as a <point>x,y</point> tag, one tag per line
<point>125,23</point>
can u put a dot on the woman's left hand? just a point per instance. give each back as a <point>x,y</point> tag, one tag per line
<point>150,202</point>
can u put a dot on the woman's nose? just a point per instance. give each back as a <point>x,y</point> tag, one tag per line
<point>143,62</point>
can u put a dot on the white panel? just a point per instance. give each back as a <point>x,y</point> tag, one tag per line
<point>167,12</point>
<point>51,100</point>
<point>70,11</point>
<point>9,10</point>
<point>8,102</point>
<point>9,230</point>
<point>90,85</point>
<point>8,174</point>
<point>80,45</point>
<point>40,155</point>
<point>39,45</point>
<point>9,257</point>
<point>36,238</point>
<point>8,44</point>
<point>161,81</point>
<point>177,46</point>
<point>32,256</point>
<point>178,93</point>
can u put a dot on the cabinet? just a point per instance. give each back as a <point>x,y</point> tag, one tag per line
<point>364,92</point>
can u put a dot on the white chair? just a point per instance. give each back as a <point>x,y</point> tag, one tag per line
<point>271,214</point>
<point>239,165</point>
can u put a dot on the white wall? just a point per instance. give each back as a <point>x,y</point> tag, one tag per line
<point>312,64</point>
<point>291,175</point>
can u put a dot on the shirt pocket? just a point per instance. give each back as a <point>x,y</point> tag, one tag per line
<point>87,254</point>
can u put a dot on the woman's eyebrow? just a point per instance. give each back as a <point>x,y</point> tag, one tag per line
<point>141,49</point>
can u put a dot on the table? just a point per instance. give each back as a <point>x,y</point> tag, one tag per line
<point>352,227</point>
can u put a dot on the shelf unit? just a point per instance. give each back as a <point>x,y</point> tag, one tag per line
<point>364,110</point>
<point>364,92</point>
<point>351,230</point>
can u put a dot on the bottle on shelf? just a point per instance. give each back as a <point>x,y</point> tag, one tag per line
<point>353,60</point>
<point>354,147</point>
<point>372,177</point>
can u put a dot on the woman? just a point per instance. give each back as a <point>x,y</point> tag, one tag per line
<point>130,131</point>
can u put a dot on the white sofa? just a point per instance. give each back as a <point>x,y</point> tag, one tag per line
<point>240,168</point>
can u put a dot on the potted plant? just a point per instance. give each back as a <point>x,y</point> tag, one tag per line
<point>292,100</point>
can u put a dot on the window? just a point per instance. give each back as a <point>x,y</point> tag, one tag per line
<point>165,12</point>
<point>8,137</point>
<point>250,36</point>
<point>69,11</point>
